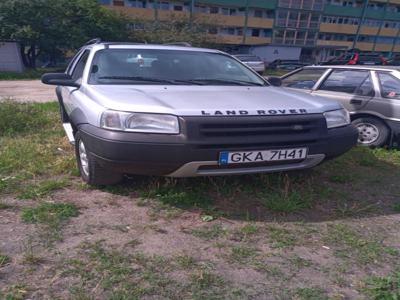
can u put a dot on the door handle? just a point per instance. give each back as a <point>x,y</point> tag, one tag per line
<point>356,101</point>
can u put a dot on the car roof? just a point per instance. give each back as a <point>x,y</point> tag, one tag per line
<point>359,67</point>
<point>115,45</point>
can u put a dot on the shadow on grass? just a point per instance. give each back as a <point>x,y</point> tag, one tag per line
<point>361,183</point>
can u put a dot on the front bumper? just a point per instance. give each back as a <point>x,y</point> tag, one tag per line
<point>174,155</point>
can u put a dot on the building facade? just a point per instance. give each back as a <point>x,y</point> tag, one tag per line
<point>316,29</point>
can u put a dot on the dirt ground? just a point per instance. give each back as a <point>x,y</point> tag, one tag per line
<point>27,90</point>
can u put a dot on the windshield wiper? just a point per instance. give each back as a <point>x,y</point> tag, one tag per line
<point>150,79</point>
<point>226,81</point>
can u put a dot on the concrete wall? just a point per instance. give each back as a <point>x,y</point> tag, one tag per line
<point>270,53</point>
<point>10,57</point>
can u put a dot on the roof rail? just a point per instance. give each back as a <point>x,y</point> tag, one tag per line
<point>93,41</point>
<point>183,44</point>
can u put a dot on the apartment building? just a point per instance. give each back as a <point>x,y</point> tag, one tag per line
<point>311,29</point>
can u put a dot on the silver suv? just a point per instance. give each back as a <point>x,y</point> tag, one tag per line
<point>370,93</point>
<point>182,111</point>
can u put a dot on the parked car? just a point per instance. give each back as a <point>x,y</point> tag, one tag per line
<point>357,58</point>
<point>191,112</point>
<point>254,62</point>
<point>285,64</point>
<point>394,61</point>
<point>370,93</point>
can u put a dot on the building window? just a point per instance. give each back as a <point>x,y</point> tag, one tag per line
<point>214,10</point>
<point>258,13</point>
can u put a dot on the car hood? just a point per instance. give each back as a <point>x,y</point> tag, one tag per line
<point>208,100</point>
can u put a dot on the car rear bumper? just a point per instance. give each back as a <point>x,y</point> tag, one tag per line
<point>153,154</point>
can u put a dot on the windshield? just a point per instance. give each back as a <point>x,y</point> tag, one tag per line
<point>177,67</point>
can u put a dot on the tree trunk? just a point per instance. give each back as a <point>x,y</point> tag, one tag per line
<point>24,56</point>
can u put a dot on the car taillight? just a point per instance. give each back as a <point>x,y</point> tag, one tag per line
<point>384,61</point>
<point>353,60</point>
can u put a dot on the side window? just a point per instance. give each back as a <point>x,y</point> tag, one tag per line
<point>80,66</point>
<point>390,85</point>
<point>304,79</point>
<point>348,81</point>
<point>71,63</point>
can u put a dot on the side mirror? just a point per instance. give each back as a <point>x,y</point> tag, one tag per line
<point>61,79</point>
<point>274,81</point>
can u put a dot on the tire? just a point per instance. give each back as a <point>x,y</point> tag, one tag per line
<point>372,131</point>
<point>91,171</point>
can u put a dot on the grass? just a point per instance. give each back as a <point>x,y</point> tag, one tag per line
<point>4,206</point>
<point>49,213</point>
<point>42,188</point>
<point>242,254</point>
<point>287,195</point>
<point>28,74</point>
<point>383,288</point>
<point>396,207</point>
<point>280,237</point>
<point>4,259</point>
<point>311,293</point>
<point>350,244</point>
<point>137,275</point>
<point>209,232</point>
<point>32,148</point>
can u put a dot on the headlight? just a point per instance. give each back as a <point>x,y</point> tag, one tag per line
<point>140,122</point>
<point>337,118</point>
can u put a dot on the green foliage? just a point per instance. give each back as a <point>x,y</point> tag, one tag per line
<point>349,243</point>
<point>287,195</point>
<point>41,189</point>
<point>209,232</point>
<point>31,146</point>
<point>25,118</point>
<point>281,237</point>
<point>311,293</point>
<point>383,288</point>
<point>54,26</point>
<point>48,213</point>
<point>4,259</point>
<point>174,30</point>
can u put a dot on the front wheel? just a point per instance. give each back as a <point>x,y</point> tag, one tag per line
<point>90,169</point>
<point>372,131</point>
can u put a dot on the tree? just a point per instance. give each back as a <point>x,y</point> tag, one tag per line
<point>175,30</point>
<point>54,26</point>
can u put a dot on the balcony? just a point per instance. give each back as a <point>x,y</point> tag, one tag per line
<point>270,4</point>
<point>137,13</point>
<point>364,46</point>
<point>388,32</point>
<point>217,19</point>
<point>383,47</point>
<point>335,44</point>
<point>228,39</point>
<point>260,23</point>
<point>366,30</point>
<point>342,11</point>
<point>165,15</point>
<point>338,28</point>
<point>257,40</point>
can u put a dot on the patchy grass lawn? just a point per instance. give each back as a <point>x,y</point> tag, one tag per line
<point>329,233</point>
<point>28,74</point>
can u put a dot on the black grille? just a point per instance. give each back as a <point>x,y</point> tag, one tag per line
<point>255,131</point>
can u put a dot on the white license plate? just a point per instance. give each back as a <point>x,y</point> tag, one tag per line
<point>242,157</point>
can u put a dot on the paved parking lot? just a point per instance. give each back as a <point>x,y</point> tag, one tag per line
<point>26,90</point>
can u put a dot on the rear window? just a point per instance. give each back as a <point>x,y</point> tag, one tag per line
<point>390,86</point>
